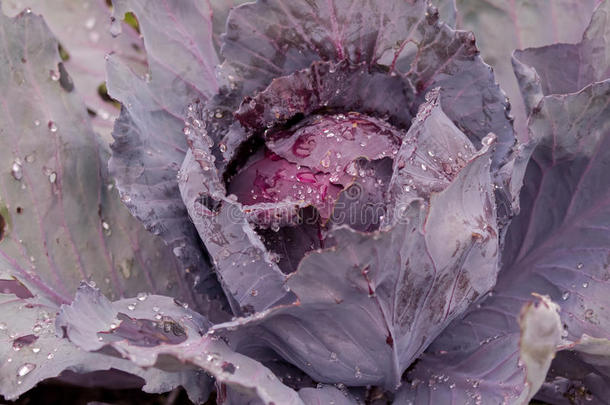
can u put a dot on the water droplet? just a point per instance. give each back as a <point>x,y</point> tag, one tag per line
<point>3,326</point>
<point>90,23</point>
<point>187,131</point>
<point>30,158</point>
<point>142,296</point>
<point>35,350</point>
<point>424,167</point>
<point>52,126</point>
<point>579,266</point>
<point>254,292</point>
<point>585,284</point>
<point>222,147</point>
<point>113,326</point>
<point>155,309</point>
<point>589,314</point>
<point>431,153</point>
<point>37,123</point>
<point>52,177</point>
<point>54,75</point>
<point>333,356</point>
<point>565,295</point>
<point>16,170</point>
<point>50,356</point>
<point>131,307</point>
<point>36,328</point>
<point>25,369</point>
<point>358,373</point>
<point>218,114</point>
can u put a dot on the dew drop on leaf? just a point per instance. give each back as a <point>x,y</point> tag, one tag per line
<point>16,170</point>
<point>52,126</point>
<point>54,75</point>
<point>25,369</point>
<point>90,23</point>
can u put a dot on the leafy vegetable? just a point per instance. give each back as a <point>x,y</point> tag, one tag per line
<point>334,205</point>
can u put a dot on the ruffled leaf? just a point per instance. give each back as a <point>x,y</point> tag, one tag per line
<point>340,86</point>
<point>557,246</point>
<point>268,39</point>
<point>565,68</point>
<point>432,154</point>
<point>503,26</point>
<point>406,37</point>
<point>149,144</point>
<point>470,97</point>
<point>249,275</point>
<point>159,333</point>
<point>504,369</point>
<point>31,352</point>
<point>372,303</point>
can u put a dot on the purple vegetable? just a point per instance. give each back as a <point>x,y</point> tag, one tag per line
<point>333,204</point>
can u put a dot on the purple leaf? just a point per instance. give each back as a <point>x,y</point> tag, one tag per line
<point>363,31</point>
<point>83,31</point>
<point>557,246</point>
<point>572,381</point>
<point>565,68</point>
<point>92,316</point>
<point>508,368</point>
<point>470,97</point>
<point>63,220</point>
<point>149,144</point>
<point>249,275</point>
<point>268,178</point>
<point>331,144</point>
<point>30,351</point>
<point>341,86</point>
<point>434,151</point>
<point>371,304</point>
<point>268,39</point>
<point>502,26</point>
